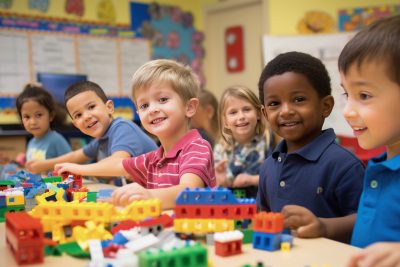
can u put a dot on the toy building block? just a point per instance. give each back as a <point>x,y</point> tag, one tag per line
<point>285,246</point>
<point>142,243</point>
<point>188,256</point>
<point>53,211</point>
<point>228,243</point>
<point>266,241</point>
<point>91,197</point>
<point>268,222</point>
<point>206,196</point>
<point>24,235</point>
<point>229,211</point>
<point>202,226</point>
<point>239,193</point>
<point>247,236</point>
<point>104,194</point>
<point>142,209</point>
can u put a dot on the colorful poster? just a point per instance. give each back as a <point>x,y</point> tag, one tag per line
<point>356,18</point>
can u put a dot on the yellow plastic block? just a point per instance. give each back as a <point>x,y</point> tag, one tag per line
<point>142,209</point>
<point>285,246</point>
<point>79,195</point>
<point>15,200</point>
<point>203,226</point>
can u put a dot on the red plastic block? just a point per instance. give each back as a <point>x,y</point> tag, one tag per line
<point>231,211</point>
<point>228,248</point>
<point>268,222</point>
<point>24,235</point>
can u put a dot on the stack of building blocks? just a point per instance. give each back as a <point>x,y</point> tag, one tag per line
<point>228,243</point>
<point>268,228</point>
<point>202,211</point>
<point>11,200</point>
<point>24,235</point>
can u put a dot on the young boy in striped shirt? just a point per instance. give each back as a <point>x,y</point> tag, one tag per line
<point>165,94</point>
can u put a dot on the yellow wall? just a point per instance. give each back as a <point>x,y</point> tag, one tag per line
<point>283,15</point>
<point>57,7</point>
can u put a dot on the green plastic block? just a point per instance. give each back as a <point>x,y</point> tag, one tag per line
<point>189,256</point>
<point>6,183</point>
<point>52,251</point>
<point>91,197</point>
<point>52,179</point>
<point>239,193</point>
<point>247,236</point>
<point>73,249</point>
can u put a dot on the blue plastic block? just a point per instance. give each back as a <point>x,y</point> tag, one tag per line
<point>119,239</point>
<point>206,196</point>
<point>104,193</point>
<point>287,238</point>
<point>3,202</point>
<point>266,241</point>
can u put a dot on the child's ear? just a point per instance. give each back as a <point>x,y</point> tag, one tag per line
<point>264,112</point>
<point>210,111</point>
<point>191,107</point>
<point>327,105</point>
<point>52,115</point>
<point>110,107</point>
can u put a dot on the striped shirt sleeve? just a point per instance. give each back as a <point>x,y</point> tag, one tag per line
<point>197,158</point>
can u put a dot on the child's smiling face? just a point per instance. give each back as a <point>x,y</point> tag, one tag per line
<point>373,106</point>
<point>294,109</point>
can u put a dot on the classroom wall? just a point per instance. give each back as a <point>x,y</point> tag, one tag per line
<point>56,9</point>
<point>283,20</point>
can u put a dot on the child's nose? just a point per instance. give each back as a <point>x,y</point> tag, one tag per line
<point>286,109</point>
<point>348,110</point>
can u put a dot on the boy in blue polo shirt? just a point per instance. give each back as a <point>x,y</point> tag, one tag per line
<point>91,112</point>
<point>307,168</point>
<point>370,74</point>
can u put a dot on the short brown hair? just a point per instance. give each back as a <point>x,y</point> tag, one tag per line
<point>379,41</point>
<point>182,78</point>
<point>81,87</point>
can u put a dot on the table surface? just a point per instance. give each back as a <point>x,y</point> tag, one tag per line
<point>318,251</point>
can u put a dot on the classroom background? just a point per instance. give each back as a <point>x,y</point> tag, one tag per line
<point>58,42</point>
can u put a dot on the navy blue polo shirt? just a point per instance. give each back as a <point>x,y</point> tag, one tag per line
<point>378,216</point>
<point>322,176</point>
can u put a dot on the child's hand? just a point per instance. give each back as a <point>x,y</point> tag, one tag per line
<point>124,195</point>
<point>220,166</point>
<point>220,174</point>
<point>302,222</point>
<point>67,167</point>
<point>245,180</point>
<point>377,255</point>
<point>35,166</point>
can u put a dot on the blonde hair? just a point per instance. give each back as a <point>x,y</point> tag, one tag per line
<point>181,78</point>
<point>241,92</point>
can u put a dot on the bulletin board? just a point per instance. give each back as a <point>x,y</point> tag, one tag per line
<point>108,61</point>
<point>327,48</point>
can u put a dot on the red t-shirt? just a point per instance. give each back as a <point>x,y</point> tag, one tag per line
<point>191,154</point>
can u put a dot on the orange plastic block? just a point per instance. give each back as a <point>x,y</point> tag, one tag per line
<point>268,222</point>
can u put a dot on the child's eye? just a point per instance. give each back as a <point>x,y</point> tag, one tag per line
<point>143,106</point>
<point>92,106</point>
<point>346,95</point>
<point>232,112</point>
<point>163,99</point>
<point>39,115</point>
<point>247,109</point>
<point>272,104</point>
<point>299,99</point>
<point>364,96</point>
<point>77,116</point>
